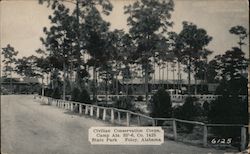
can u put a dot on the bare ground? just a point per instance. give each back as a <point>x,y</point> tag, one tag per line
<point>28,127</point>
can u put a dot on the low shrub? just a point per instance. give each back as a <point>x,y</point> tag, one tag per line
<point>161,106</point>
<point>190,110</point>
<point>124,103</point>
<point>56,93</point>
<point>228,110</point>
<point>81,96</point>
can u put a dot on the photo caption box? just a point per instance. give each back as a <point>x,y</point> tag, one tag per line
<point>126,135</point>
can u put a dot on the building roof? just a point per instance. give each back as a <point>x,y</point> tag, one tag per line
<point>19,80</point>
<point>141,81</point>
<point>30,80</point>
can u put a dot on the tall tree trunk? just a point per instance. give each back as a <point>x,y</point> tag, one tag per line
<point>189,76</point>
<point>167,76</point>
<point>160,81</point>
<point>47,79</point>
<point>163,75</point>
<point>180,82</point>
<point>78,79</point>
<point>130,86</point>
<point>127,88</point>
<point>205,78</point>
<point>123,85</point>
<point>116,85</point>
<point>173,77</point>
<point>116,82</point>
<point>195,83</point>
<point>154,85</point>
<point>11,82</point>
<point>64,82</point>
<point>52,78</point>
<point>106,89</point>
<point>88,81</point>
<point>42,85</point>
<point>179,75</point>
<point>94,83</point>
<point>146,83</point>
<point>202,84</point>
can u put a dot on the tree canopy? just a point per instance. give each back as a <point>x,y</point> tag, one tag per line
<point>148,20</point>
<point>9,54</point>
<point>191,43</point>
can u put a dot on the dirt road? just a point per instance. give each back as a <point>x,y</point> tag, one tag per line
<point>28,127</point>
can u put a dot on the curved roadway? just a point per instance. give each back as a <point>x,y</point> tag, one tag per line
<point>27,127</point>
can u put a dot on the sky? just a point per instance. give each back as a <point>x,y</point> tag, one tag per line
<point>22,21</point>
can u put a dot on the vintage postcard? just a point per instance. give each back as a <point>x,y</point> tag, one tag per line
<point>124,76</point>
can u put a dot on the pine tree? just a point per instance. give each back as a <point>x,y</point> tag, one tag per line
<point>9,61</point>
<point>148,21</point>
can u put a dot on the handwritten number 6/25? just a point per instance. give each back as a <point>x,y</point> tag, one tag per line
<point>221,141</point>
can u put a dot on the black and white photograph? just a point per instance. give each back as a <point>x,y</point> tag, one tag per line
<point>124,77</point>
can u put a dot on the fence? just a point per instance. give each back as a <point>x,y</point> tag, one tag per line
<point>179,130</point>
